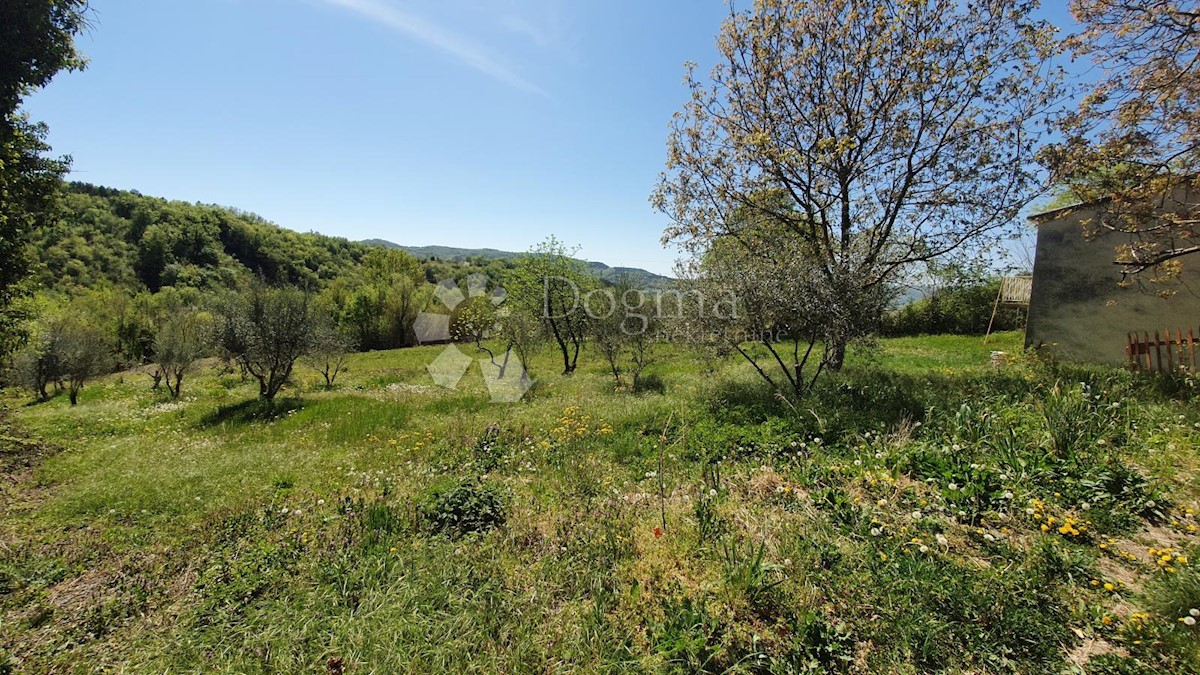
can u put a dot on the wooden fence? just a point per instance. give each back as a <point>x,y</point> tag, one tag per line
<point>1161,353</point>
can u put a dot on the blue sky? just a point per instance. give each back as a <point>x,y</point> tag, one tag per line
<point>473,123</point>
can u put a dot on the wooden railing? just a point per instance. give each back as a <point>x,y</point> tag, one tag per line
<point>1162,354</point>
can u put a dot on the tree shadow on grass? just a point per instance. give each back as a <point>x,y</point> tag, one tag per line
<point>247,412</point>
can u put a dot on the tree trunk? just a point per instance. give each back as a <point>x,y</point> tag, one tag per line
<point>575,355</point>
<point>835,357</point>
<point>504,364</point>
<point>612,363</point>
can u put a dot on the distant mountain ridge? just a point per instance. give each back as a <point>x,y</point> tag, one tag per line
<point>637,276</point>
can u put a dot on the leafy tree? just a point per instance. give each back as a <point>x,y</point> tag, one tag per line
<point>959,310</point>
<point>378,304</point>
<point>1133,145</point>
<point>37,364</point>
<point>38,38</point>
<point>899,131</point>
<point>473,320</point>
<point>134,330</point>
<point>398,278</point>
<point>548,286</point>
<point>112,237</point>
<point>520,332</point>
<point>84,351</point>
<point>266,330</point>
<point>180,340</point>
<point>36,42</point>
<point>766,297</point>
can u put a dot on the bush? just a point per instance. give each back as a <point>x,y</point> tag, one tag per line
<point>649,384</point>
<point>470,506</point>
<point>965,310</point>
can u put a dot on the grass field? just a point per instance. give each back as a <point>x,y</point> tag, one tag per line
<point>923,511</point>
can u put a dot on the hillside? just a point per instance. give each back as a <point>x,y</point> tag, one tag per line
<point>106,237</point>
<point>639,277</point>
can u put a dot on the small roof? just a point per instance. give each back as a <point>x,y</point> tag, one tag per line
<point>1051,214</point>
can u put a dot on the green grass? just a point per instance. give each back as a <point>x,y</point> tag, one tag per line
<point>890,523</point>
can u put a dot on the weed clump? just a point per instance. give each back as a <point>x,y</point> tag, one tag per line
<point>469,506</point>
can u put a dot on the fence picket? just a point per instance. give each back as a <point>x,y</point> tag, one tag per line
<point>1192,347</point>
<point>1170,353</point>
<point>1180,351</point>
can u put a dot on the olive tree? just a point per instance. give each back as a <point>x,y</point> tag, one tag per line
<point>898,131</point>
<point>766,297</point>
<point>180,339</point>
<point>266,330</point>
<point>37,364</point>
<point>520,332</point>
<point>85,350</point>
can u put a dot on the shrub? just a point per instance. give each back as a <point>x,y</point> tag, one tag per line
<point>649,384</point>
<point>470,506</point>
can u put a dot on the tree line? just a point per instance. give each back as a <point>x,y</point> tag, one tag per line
<point>265,330</point>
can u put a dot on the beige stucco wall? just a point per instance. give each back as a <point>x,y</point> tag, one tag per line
<point>1077,304</point>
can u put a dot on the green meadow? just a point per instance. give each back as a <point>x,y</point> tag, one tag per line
<point>923,511</point>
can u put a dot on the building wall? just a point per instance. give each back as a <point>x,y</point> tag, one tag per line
<point>1077,306</point>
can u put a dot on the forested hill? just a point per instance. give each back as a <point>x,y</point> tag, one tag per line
<point>106,237</point>
<point>636,276</point>
<point>114,237</point>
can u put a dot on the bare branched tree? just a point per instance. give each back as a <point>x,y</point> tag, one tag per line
<point>329,351</point>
